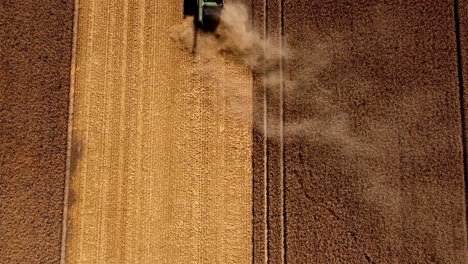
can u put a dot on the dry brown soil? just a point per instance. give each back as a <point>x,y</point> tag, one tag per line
<point>35,55</point>
<point>368,167</point>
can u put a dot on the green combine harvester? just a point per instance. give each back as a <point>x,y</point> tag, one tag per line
<point>207,13</point>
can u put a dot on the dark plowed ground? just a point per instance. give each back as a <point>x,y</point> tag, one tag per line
<point>35,58</point>
<point>373,156</point>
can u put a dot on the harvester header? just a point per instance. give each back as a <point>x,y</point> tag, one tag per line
<point>207,13</point>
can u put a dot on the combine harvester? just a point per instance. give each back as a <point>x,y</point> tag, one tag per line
<point>206,13</point>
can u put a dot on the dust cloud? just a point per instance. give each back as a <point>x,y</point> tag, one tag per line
<point>314,114</point>
<point>234,37</point>
<point>237,41</point>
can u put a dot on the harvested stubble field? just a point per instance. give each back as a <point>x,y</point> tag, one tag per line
<point>163,173</point>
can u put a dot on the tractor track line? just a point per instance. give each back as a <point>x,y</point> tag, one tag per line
<point>70,136</point>
<point>462,100</point>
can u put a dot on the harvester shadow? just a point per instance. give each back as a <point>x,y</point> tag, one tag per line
<point>195,37</point>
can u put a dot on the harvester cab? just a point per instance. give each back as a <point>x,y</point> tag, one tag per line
<point>207,13</point>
